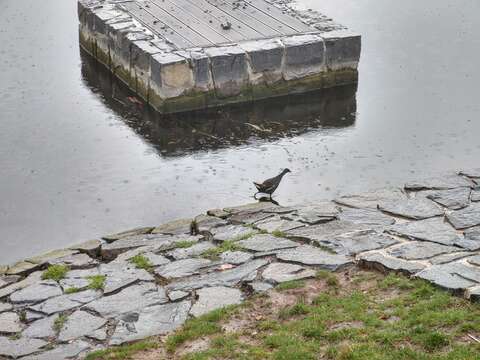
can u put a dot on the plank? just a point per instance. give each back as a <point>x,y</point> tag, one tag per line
<point>157,26</point>
<point>197,15</point>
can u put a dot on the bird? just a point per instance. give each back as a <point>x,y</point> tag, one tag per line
<point>270,185</point>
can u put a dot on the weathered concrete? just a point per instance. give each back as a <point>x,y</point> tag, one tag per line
<point>179,56</point>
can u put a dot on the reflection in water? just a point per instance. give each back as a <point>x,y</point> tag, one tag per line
<point>176,134</point>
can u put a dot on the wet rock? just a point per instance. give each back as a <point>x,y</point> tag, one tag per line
<point>42,328</point>
<point>220,213</point>
<point>22,268</point>
<point>159,242</point>
<point>366,216</point>
<point>253,207</point>
<point>182,268</point>
<point>213,298</point>
<point>320,232</point>
<point>131,299</point>
<point>278,224</point>
<point>206,223</point>
<point>62,352</point>
<point>282,272</point>
<point>454,199</point>
<point>249,218</point>
<point>439,183</point>
<point>371,199</point>
<point>448,276</point>
<point>260,286</point>
<point>66,302</point>
<point>78,324</point>
<point>465,218</point>
<point>178,295</point>
<point>119,276</point>
<point>10,323</point>
<point>50,256</point>
<point>357,242</point>
<point>232,232</point>
<point>20,347</point>
<point>235,257</point>
<point>419,250</point>
<point>417,209</point>
<point>195,250</point>
<point>128,233</point>
<point>176,227</point>
<point>266,242</point>
<point>5,307</point>
<point>77,261</point>
<point>434,230</point>
<point>381,261</point>
<point>36,292</point>
<point>446,258</point>
<point>154,320</point>
<point>30,279</point>
<point>90,247</point>
<point>244,272</point>
<point>310,255</point>
<point>314,213</point>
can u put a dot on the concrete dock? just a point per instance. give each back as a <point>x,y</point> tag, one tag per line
<point>181,55</point>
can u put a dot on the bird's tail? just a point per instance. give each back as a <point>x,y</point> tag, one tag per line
<point>257,185</point>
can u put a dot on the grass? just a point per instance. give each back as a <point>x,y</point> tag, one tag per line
<point>369,317</point>
<point>55,272</point>
<point>293,284</point>
<point>141,262</point>
<point>59,323</point>
<point>96,282</point>
<point>215,252</point>
<point>72,290</point>
<point>122,352</point>
<point>184,244</point>
<point>278,233</point>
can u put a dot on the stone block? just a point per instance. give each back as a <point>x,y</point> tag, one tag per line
<point>265,58</point>
<point>342,49</point>
<point>202,76</point>
<point>304,56</point>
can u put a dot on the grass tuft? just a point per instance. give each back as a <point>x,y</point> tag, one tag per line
<point>72,290</point>
<point>141,262</point>
<point>293,284</point>
<point>122,352</point>
<point>96,282</point>
<point>215,252</point>
<point>55,272</point>
<point>184,244</point>
<point>279,233</point>
<point>59,323</point>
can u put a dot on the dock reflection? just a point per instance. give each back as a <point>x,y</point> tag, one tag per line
<point>266,120</point>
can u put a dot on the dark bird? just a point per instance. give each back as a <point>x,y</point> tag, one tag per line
<point>270,185</point>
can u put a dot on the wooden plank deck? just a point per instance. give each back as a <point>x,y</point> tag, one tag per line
<point>200,23</point>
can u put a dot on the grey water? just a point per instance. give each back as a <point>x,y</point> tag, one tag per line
<point>80,158</point>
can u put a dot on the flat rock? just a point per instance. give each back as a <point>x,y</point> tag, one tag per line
<point>366,216</point>
<point>32,316</point>
<point>66,302</point>
<point>472,173</point>
<point>439,183</point>
<point>79,324</point>
<point>36,292</point>
<point>473,293</point>
<point>131,299</point>
<point>434,230</point>
<point>127,255</point>
<point>320,232</point>
<point>260,286</point>
<point>128,233</point>
<point>10,323</point>
<point>278,224</point>
<point>42,328</point>
<point>99,334</point>
<point>194,250</point>
<point>90,247</point>
<point>5,307</point>
<point>475,194</point>
<point>29,280</point>
<point>419,250</point>
<point>282,272</point>
<point>473,235</point>
<point>253,207</point>
<point>449,276</point>
<point>62,352</point>
<point>232,232</point>
<point>244,272</point>
<point>371,199</point>
<point>77,261</point>
<point>235,257</point>
<point>176,227</point>
<point>377,259</point>
<point>249,218</point>
<point>357,242</point>
<point>417,209</point>
<point>151,321</point>
<point>119,276</point>
<point>474,260</point>
<point>266,242</point>
<point>182,268</point>
<point>314,213</point>
<point>78,278</point>
<point>22,268</point>
<point>465,218</point>
<point>206,223</point>
<point>20,347</point>
<point>310,255</point>
<point>454,199</point>
<point>50,256</point>
<point>220,213</point>
<point>159,241</point>
<point>446,258</point>
<point>177,295</point>
<point>213,298</point>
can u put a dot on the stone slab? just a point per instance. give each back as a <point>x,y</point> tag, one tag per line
<point>465,218</point>
<point>381,261</point>
<point>454,199</point>
<point>371,199</point>
<point>266,242</point>
<point>128,233</point>
<point>358,242</point>
<point>79,324</point>
<point>282,272</point>
<point>66,302</point>
<point>278,224</point>
<point>310,255</point>
<point>235,257</point>
<point>420,250</point>
<point>213,298</point>
<point>43,328</point>
<point>232,232</point>
<point>36,292</point>
<point>366,216</point>
<point>417,209</point>
<point>118,276</point>
<point>62,352</point>
<point>439,183</point>
<point>10,323</point>
<point>194,250</point>
<point>182,268</point>
<point>20,347</point>
<point>450,276</point>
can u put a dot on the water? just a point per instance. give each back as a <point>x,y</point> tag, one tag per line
<point>78,159</point>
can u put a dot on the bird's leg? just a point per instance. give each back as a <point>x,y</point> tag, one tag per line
<point>255,195</point>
